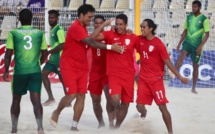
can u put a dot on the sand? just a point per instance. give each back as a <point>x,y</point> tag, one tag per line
<point>191,114</point>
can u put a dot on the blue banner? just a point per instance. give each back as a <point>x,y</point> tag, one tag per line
<point>206,78</point>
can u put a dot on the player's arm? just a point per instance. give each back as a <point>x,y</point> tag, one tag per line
<point>43,50</point>
<point>61,40</point>
<point>175,71</point>
<point>206,29</point>
<point>8,55</point>
<point>97,35</point>
<point>97,44</point>
<point>183,36</point>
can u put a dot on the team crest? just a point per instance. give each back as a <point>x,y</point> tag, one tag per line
<point>200,22</point>
<point>127,41</point>
<point>151,48</point>
<point>52,34</point>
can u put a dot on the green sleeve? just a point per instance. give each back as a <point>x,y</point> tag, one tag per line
<point>10,44</point>
<point>61,36</point>
<point>43,45</point>
<point>185,25</point>
<point>206,25</point>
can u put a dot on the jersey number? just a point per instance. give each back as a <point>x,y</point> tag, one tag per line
<point>98,52</point>
<point>159,94</point>
<point>28,46</point>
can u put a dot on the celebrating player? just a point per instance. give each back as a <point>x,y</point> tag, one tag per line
<point>153,57</point>
<point>120,67</point>
<point>28,44</point>
<point>74,65</point>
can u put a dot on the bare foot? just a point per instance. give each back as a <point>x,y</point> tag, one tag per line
<point>40,132</point>
<point>54,118</point>
<point>194,91</point>
<point>143,115</point>
<point>101,125</point>
<point>74,129</point>
<point>48,102</point>
<point>13,131</point>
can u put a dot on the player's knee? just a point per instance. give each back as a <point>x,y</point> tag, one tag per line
<point>163,108</point>
<point>140,108</point>
<point>80,97</point>
<point>45,73</point>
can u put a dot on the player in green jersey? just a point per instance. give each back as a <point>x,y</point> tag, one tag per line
<point>30,50</point>
<point>57,39</point>
<point>195,35</point>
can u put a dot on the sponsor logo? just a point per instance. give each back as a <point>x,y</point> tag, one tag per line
<point>116,38</point>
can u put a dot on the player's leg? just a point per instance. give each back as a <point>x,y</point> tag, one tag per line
<point>109,107</point>
<point>142,110</point>
<point>195,76</point>
<point>180,59</point>
<point>34,86</point>
<point>38,110</point>
<point>80,98</point>
<point>121,114</point>
<point>15,111</point>
<point>166,117</point>
<point>78,109</point>
<point>97,108</point>
<point>47,86</point>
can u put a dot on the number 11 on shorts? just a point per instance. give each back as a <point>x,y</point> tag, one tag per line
<point>159,94</point>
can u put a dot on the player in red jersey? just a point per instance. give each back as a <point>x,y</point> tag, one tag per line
<point>98,78</point>
<point>120,67</point>
<point>153,56</point>
<point>74,65</point>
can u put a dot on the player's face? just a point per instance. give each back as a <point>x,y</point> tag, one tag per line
<point>98,22</point>
<point>53,19</point>
<point>87,18</point>
<point>120,26</point>
<point>196,9</point>
<point>145,28</point>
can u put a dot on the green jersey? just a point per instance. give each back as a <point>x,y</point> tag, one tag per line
<point>57,37</point>
<point>27,43</point>
<point>196,27</point>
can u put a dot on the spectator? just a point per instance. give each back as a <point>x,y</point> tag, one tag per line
<point>8,6</point>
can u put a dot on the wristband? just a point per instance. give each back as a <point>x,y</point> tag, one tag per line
<point>108,47</point>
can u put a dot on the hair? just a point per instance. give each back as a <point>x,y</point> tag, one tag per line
<point>85,8</point>
<point>197,3</point>
<point>152,25</point>
<point>122,17</point>
<point>54,12</point>
<point>99,17</point>
<point>25,16</point>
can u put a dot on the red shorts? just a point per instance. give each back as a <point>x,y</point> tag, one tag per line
<point>74,82</point>
<point>122,85</point>
<point>96,86</point>
<point>149,90</point>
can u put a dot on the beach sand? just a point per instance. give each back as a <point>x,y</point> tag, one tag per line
<point>191,114</point>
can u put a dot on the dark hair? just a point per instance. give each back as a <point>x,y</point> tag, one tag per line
<point>152,25</point>
<point>54,12</point>
<point>197,3</point>
<point>122,17</point>
<point>85,8</point>
<point>99,17</point>
<point>25,16</point>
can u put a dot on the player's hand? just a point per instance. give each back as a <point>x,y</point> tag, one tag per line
<point>108,22</point>
<point>129,31</point>
<point>199,50</point>
<point>119,49</point>
<point>5,76</point>
<point>184,80</point>
<point>178,48</point>
<point>113,28</point>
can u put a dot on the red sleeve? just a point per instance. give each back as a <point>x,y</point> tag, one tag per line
<point>137,43</point>
<point>162,50</point>
<point>107,34</point>
<point>80,33</point>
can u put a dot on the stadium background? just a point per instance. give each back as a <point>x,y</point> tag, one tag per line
<point>169,15</point>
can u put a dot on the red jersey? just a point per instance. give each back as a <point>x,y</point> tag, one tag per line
<point>152,55</point>
<point>121,64</point>
<point>98,67</point>
<point>74,56</point>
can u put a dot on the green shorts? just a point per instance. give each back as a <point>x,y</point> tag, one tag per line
<point>52,68</point>
<point>191,50</point>
<point>23,82</point>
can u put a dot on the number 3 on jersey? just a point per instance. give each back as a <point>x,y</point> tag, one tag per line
<point>28,39</point>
